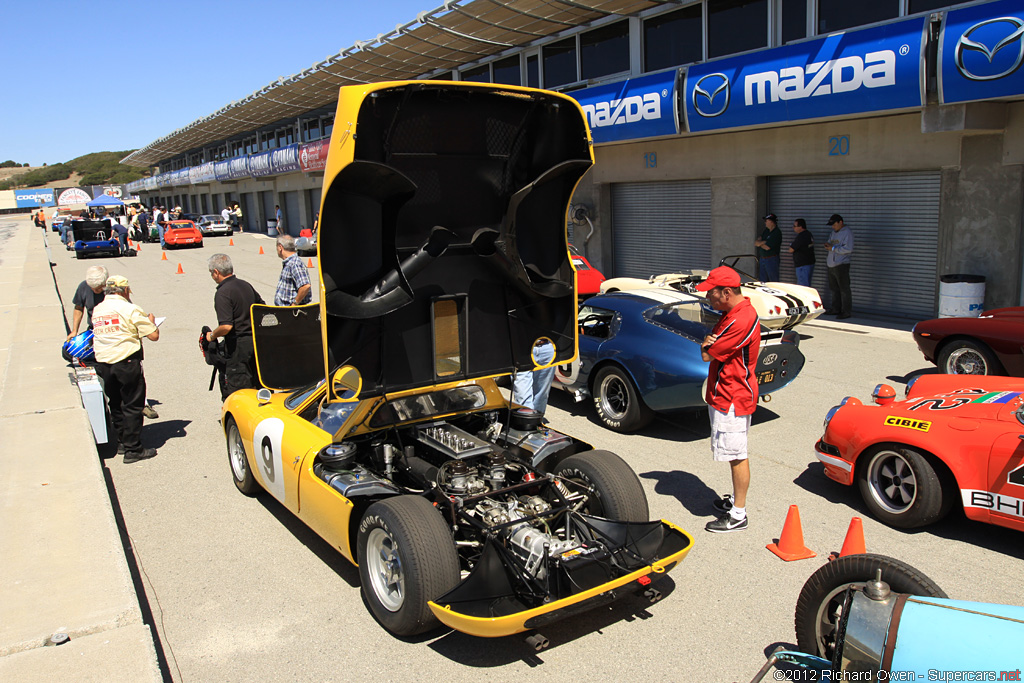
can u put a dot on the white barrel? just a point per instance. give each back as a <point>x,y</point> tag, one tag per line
<point>961,296</point>
<point>272,228</point>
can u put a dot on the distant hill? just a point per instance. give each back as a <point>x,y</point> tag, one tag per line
<point>98,168</point>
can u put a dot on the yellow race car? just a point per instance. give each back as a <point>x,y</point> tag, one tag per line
<point>443,261</point>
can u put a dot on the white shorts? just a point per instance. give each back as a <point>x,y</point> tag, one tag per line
<point>728,434</point>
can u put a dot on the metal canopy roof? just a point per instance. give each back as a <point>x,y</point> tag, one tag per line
<point>456,33</point>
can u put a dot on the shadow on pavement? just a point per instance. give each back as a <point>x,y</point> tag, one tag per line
<point>493,652</point>
<point>691,492</point>
<point>911,375</point>
<point>326,553</point>
<point>157,434</point>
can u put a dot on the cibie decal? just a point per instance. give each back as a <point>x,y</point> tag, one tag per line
<point>908,423</point>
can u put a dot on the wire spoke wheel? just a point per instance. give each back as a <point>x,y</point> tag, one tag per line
<point>966,361</point>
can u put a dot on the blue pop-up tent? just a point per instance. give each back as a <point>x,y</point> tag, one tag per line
<point>106,200</point>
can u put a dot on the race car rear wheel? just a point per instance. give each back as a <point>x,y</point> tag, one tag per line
<point>617,493</point>
<point>819,607</point>
<point>240,470</point>
<point>901,488</point>
<point>968,357</point>
<point>406,557</point>
<point>617,402</point>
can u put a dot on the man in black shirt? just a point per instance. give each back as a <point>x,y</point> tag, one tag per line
<point>88,294</point>
<point>232,301</point>
<point>802,250</point>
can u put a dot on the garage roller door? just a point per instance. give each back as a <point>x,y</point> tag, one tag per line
<point>662,227</point>
<point>895,222</point>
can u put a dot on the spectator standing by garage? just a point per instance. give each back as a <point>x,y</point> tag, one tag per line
<point>840,253</point>
<point>731,393</point>
<point>802,249</point>
<point>143,223</point>
<point>279,218</point>
<point>118,328</point>
<point>225,215</point>
<point>237,212</point>
<point>232,302</point>
<point>769,245</point>
<point>293,286</point>
<point>160,218</point>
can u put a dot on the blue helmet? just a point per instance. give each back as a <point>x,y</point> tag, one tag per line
<point>80,347</point>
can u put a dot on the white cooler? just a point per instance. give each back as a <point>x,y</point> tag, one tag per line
<point>91,388</point>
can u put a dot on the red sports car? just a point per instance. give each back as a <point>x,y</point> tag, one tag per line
<point>588,278</point>
<point>182,234</point>
<point>990,344</point>
<point>952,439</point>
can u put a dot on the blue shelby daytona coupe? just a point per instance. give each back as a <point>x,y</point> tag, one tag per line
<point>640,354</point>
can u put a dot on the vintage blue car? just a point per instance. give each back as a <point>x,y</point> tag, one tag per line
<point>640,355</point>
<point>93,238</point>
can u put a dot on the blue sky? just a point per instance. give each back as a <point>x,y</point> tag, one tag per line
<point>165,64</point>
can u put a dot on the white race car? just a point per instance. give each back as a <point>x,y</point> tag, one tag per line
<point>213,224</point>
<point>780,305</point>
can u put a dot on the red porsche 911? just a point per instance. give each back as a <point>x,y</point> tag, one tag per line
<point>182,234</point>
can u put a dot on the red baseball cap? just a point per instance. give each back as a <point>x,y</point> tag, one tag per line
<point>722,276</point>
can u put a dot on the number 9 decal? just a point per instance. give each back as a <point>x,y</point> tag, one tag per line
<point>266,446</point>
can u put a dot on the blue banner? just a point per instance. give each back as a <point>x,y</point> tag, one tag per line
<point>30,198</point>
<point>259,165</point>
<point>286,159</point>
<point>632,109</point>
<point>874,69</point>
<point>222,170</point>
<point>238,167</point>
<point>981,51</point>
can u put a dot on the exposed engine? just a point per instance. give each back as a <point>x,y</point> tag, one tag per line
<point>482,476</point>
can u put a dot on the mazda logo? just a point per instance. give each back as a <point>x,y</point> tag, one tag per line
<point>704,95</point>
<point>966,44</point>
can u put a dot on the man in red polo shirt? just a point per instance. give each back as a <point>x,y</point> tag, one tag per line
<point>731,395</point>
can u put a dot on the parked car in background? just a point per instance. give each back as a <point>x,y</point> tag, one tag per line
<point>182,234</point>
<point>991,344</point>
<point>93,238</point>
<point>780,305</point>
<point>588,278</point>
<point>639,354</point>
<point>213,224</point>
<point>953,440</point>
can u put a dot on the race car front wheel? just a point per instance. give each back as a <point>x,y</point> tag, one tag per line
<point>901,488</point>
<point>617,402</point>
<point>819,607</point>
<point>967,357</point>
<point>240,470</point>
<point>406,557</point>
<point>617,493</point>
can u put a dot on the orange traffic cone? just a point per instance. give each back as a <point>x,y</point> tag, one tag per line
<point>180,271</point>
<point>261,250</point>
<point>854,542</point>
<point>138,246</point>
<point>310,264</point>
<point>790,545</point>
<point>231,242</point>
<point>163,255</point>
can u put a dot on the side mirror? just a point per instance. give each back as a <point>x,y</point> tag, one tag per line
<point>263,396</point>
<point>346,383</point>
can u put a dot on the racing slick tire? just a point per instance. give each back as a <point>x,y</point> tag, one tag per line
<point>406,557</point>
<point>901,488</point>
<point>618,405</point>
<point>821,599</point>
<point>968,357</point>
<point>241,473</point>
<point>618,494</point>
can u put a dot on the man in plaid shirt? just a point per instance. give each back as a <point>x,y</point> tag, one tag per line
<point>293,288</point>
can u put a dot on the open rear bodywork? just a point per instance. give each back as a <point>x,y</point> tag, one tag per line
<point>443,260</point>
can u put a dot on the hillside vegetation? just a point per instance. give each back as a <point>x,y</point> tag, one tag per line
<point>98,168</point>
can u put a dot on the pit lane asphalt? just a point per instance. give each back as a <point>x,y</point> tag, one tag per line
<point>240,590</point>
